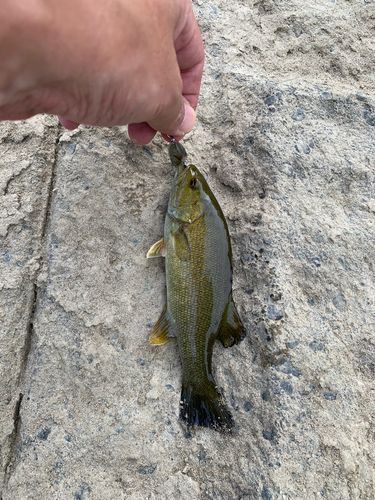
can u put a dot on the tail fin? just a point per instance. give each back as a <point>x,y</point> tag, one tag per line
<point>203,406</point>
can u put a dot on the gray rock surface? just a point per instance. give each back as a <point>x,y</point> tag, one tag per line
<point>286,135</point>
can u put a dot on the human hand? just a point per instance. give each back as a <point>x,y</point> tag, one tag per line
<point>102,62</point>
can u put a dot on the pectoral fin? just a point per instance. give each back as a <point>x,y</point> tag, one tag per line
<point>157,249</point>
<point>231,329</point>
<point>181,243</point>
<point>162,331</point>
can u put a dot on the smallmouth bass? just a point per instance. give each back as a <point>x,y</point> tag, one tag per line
<point>200,307</point>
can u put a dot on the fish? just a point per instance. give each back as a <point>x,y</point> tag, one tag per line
<point>200,307</point>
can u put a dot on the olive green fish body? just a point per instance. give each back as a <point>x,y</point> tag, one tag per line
<point>199,308</point>
<point>198,271</point>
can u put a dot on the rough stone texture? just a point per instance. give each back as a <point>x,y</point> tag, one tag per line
<point>286,136</point>
<point>26,166</point>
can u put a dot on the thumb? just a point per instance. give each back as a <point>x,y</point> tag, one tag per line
<point>179,126</point>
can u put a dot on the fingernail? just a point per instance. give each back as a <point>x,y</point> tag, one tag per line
<point>188,122</point>
<point>132,138</point>
<point>68,124</point>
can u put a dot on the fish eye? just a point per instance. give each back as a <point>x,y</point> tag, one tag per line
<point>193,182</point>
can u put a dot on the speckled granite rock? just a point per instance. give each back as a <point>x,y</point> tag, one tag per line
<point>286,135</point>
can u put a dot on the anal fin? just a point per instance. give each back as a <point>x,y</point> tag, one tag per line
<point>157,249</point>
<point>231,329</point>
<point>162,331</point>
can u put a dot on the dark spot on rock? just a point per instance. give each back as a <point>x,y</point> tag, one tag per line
<point>287,368</point>
<point>262,194</point>
<point>311,302</point>
<point>148,151</point>
<point>54,242</point>
<point>91,145</point>
<point>339,301</point>
<point>249,141</point>
<point>264,396</point>
<point>70,150</point>
<point>7,256</point>
<point>187,435</point>
<point>68,438</point>
<point>316,346</point>
<point>148,469</point>
<point>369,118</point>
<point>343,264</point>
<point>273,313</point>
<point>140,361</point>
<point>270,100</point>
<point>79,494</point>
<point>247,406</point>
<point>269,435</point>
<point>234,403</point>
<point>168,422</point>
<point>287,170</point>
<point>302,148</point>
<point>330,396</point>
<point>266,493</point>
<point>108,142</point>
<point>169,387</point>
<point>316,261</point>
<point>294,344</point>
<point>250,291</point>
<point>286,386</point>
<point>298,115</point>
<point>44,433</point>
<point>201,456</point>
<point>256,220</point>
<point>276,296</point>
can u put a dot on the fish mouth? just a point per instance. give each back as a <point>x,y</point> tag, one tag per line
<point>177,152</point>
